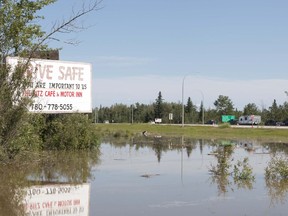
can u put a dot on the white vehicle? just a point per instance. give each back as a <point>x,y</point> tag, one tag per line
<point>249,120</point>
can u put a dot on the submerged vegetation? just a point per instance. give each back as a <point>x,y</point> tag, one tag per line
<point>51,132</point>
<point>277,169</point>
<point>243,171</point>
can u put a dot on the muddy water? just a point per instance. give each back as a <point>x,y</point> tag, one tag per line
<point>146,176</point>
<point>173,178</point>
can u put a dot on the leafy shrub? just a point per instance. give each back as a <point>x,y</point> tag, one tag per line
<point>225,125</point>
<point>69,131</point>
<point>243,171</point>
<point>277,169</point>
<point>26,137</point>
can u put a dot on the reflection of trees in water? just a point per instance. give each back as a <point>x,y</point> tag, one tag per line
<point>276,173</point>
<point>12,177</point>
<point>162,144</point>
<point>71,167</point>
<point>276,148</point>
<point>276,177</point>
<point>159,144</point>
<point>68,167</point>
<point>158,149</point>
<point>201,143</point>
<point>226,178</point>
<point>190,145</point>
<point>277,191</point>
<point>243,175</point>
<point>220,173</point>
<point>223,173</point>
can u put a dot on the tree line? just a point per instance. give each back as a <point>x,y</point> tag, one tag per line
<point>223,105</point>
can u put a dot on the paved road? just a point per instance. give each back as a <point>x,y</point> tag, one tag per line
<point>241,126</point>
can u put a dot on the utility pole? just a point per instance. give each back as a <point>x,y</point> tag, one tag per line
<point>95,115</point>
<point>132,117</point>
<point>183,119</point>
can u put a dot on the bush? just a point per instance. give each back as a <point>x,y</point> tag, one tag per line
<point>68,132</point>
<point>224,125</point>
<point>243,171</point>
<point>277,169</point>
<point>51,132</point>
<point>26,137</point>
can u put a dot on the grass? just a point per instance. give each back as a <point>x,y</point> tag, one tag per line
<point>216,132</point>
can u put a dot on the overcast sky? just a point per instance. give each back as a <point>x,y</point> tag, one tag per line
<point>217,47</point>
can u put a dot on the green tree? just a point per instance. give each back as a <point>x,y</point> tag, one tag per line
<point>224,106</point>
<point>251,109</point>
<point>143,113</point>
<point>17,36</point>
<point>211,114</point>
<point>21,36</point>
<point>189,106</point>
<point>177,112</point>
<point>61,132</point>
<point>158,108</point>
<point>284,111</point>
<point>19,31</point>
<point>120,113</point>
<point>201,117</point>
<point>190,112</point>
<point>274,111</point>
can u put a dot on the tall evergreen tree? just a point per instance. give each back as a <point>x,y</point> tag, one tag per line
<point>275,111</point>
<point>189,106</point>
<point>158,108</point>
<point>201,113</point>
<point>190,111</point>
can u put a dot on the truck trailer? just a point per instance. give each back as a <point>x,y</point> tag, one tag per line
<point>249,120</point>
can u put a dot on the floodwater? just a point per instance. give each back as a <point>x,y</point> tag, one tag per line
<point>147,176</point>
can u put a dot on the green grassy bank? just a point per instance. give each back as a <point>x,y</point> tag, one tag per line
<point>209,132</point>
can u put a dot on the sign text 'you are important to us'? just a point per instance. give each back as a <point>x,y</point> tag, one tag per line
<point>58,86</point>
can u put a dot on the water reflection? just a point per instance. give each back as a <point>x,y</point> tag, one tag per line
<point>12,178</point>
<point>57,199</point>
<point>23,179</point>
<point>208,177</point>
<point>277,191</point>
<point>63,166</point>
<point>221,171</point>
<point>234,165</point>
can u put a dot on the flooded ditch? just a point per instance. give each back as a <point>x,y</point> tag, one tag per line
<point>149,176</point>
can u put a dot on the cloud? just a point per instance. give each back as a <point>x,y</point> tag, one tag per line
<point>144,89</point>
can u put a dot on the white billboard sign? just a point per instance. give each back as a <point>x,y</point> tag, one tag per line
<point>58,86</point>
<point>63,199</point>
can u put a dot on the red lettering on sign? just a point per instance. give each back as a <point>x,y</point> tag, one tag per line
<point>76,202</point>
<point>67,94</point>
<point>50,93</point>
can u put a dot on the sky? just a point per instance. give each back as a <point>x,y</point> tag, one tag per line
<point>198,48</point>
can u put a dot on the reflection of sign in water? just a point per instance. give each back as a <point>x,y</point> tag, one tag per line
<point>54,200</point>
